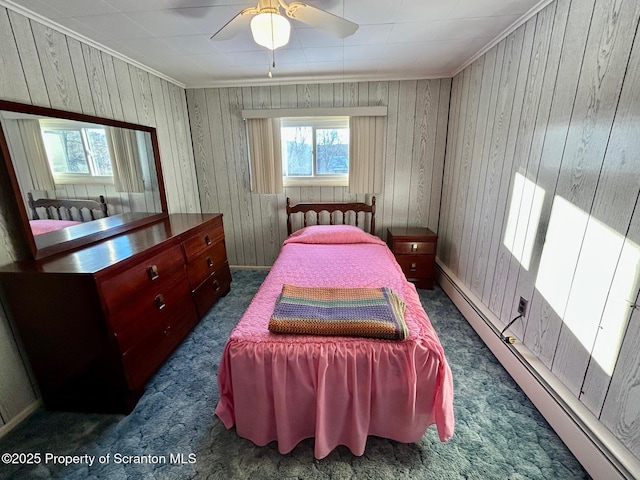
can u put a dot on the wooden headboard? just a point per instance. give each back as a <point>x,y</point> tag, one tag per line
<point>64,209</point>
<point>356,207</point>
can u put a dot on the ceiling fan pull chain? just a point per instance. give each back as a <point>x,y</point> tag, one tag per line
<point>272,64</point>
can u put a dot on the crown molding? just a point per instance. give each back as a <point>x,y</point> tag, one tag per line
<point>294,80</point>
<point>524,19</point>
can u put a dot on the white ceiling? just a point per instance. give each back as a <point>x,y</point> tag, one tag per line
<point>402,39</point>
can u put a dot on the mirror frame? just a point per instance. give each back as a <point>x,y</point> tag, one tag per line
<point>111,226</point>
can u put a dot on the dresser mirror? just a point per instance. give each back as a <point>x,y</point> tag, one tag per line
<point>78,178</point>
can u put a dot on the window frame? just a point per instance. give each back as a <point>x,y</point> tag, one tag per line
<point>75,178</point>
<point>315,179</point>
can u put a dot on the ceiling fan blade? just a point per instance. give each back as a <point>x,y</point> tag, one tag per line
<point>315,17</point>
<point>236,25</point>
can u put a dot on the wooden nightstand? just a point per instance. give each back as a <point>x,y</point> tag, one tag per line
<point>415,251</point>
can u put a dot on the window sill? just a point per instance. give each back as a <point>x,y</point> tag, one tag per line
<point>82,179</point>
<point>314,182</point>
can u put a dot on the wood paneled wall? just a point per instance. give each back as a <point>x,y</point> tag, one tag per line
<point>255,225</point>
<point>42,66</point>
<point>540,196</point>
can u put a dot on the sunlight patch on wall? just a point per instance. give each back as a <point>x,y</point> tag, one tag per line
<point>617,308</point>
<point>524,215</point>
<point>588,278</point>
<point>560,253</point>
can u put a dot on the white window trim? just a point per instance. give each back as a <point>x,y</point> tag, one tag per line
<point>324,181</point>
<point>87,178</point>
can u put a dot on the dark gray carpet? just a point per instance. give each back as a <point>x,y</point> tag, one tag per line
<point>499,434</point>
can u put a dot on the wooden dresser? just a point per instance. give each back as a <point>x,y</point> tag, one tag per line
<point>97,322</point>
<point>415,251</point>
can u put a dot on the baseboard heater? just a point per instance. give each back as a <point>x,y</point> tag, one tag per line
<point>20,417</point>
<point>601,454</point>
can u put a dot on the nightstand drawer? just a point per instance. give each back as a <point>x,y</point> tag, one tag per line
<point>414,248</point>
<point>415,252</point>
<point>416,266</point>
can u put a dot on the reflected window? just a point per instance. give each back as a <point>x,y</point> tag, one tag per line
<point>77,151</point>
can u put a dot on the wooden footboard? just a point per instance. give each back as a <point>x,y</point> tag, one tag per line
<point>357,207</point>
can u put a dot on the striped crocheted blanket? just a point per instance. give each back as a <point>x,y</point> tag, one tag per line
<point>360,312</point>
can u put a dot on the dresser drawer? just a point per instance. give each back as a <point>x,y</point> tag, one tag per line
<point>142,360</point>
<point>212,289</point>
<point>414,248</point>
<point>416,266</point>
<point>135,326</point>
<point>202,239</point>
<point>207,263</point>
<point>152,274</point>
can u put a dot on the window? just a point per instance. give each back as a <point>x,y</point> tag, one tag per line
<point>315,151</point>
<point>77,152</point>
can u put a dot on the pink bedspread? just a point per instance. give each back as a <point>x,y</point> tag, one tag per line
<point>338,390</point>
<point>39,227</point>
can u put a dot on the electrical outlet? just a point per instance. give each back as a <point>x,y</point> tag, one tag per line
<point>522,306</point>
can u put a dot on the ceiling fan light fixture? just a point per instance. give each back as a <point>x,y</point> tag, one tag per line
<point>270,30</point>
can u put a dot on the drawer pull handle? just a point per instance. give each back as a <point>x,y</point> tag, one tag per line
<point>413,267</point>
<point>414,247</point>
<point>153,272</point>
<point>209,262</point>
<point>159,301</point>
<point>207,239</point>
<point>167,330</point>
<point>216,285</point>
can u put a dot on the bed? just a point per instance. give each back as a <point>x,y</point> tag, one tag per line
<point>63,213</point>
<point>336,389</point>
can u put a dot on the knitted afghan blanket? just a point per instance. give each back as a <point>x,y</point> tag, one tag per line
<point>359,312</point>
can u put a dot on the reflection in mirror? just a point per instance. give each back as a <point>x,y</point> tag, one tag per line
<point>79,179</point>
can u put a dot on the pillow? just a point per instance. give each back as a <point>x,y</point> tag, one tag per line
<point>332,234</point>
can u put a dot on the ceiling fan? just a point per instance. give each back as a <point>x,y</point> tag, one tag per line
<point>271,29</point>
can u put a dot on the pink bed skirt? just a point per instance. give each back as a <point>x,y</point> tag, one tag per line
<point>338,390</point>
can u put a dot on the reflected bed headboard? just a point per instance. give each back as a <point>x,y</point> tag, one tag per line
<point>356,207</point>
<point>68,209</point>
